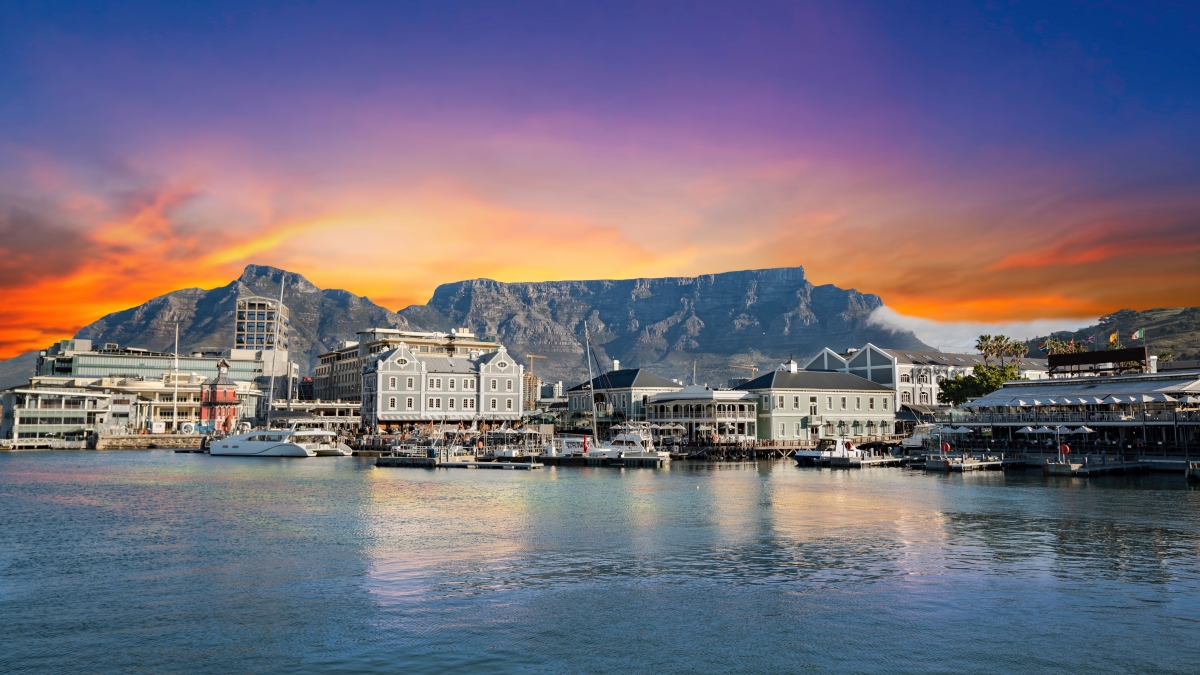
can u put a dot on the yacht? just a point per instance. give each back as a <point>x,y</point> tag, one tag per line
<point>279,443</point>
<point>629,444</point>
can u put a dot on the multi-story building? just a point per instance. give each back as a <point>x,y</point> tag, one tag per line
<point>338,374</point>
<point>704,413</point>
<point>130,404</point>
<point>809,405</point>
<point>620,396</point>
<point>259,323</point>
<point>916,376</point>
<point>52,411</point>
<point>407,386</point>
<point>77,358</point>
<point>331,415</point>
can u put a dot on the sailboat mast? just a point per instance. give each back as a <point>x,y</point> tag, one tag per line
<point>275,347</point>
<point>587,341</point>
<point>175,397</point>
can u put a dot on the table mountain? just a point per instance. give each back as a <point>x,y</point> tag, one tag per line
<point>714,321</point>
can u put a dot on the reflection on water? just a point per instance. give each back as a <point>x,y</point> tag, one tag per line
<point>157,562</point>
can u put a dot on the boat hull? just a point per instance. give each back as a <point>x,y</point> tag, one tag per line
<point>258,449</point>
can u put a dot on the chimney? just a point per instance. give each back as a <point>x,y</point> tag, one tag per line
<point>616,364</point>
<point>790,366</point>
<point>1154,364</point>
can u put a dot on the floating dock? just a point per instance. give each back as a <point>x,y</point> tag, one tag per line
<point>435,463</point>
<point>864,462</point>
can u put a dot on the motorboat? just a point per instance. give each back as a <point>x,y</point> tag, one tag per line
<point>279,443</point>
<point>629,444</point>
<point>828,448</point>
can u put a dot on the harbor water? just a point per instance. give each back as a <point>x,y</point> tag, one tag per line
<point>156,562</point>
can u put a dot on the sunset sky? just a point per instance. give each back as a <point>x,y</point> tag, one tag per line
<point>968,162</point>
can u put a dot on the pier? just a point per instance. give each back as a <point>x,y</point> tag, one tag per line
<point>435,463</point>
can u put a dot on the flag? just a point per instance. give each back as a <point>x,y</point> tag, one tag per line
<point>1112,339</point>
<point>1072,344</point>
<point>1090,339</point>
<point>1042,346</point>
<point>1140,334</point>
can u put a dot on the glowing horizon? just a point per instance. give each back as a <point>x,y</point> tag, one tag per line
<point>1020,167</point>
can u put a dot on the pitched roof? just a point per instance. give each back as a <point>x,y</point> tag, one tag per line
<point>812,380</point>
<point>628,378</point>
<point>948,359</point>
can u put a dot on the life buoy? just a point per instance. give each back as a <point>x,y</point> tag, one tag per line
<point>945,446</point>
<point>1139,444</point>
<point>1064,449</point>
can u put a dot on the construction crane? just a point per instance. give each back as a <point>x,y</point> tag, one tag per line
<point>752,368</point>
<point>530,395</point>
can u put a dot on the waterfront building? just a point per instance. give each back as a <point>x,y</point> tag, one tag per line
<point>407,386</point>
<point>331,415</point>
<point>219,401</point>
<point>703,413</point>
<point>620,396</point>
<point>131,404</point>
<point>915,375</point>
<point>808,405</point>
<point>338,374</point>
<point>1147,408</point>
<point>63,412</point>
<point>78,358</point>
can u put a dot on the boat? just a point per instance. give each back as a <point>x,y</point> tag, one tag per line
<point>827,449</point>
<point>279,443</point>
<point>630,445</point>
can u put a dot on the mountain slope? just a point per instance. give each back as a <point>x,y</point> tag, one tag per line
<point>320,318</point>
<point>1167,328</point>
<point>716,320</point>
<point>17,370</point>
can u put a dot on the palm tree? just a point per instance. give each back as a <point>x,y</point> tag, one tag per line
<point>1017,350</point>
<point>1166,356</point>
<point>1003,343</point>
<point>984,345</point>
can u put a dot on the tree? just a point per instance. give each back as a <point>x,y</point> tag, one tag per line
<point>1166,356</point>
<point>984,345</point>
<point>985,379</point>
<point>1017,350</point>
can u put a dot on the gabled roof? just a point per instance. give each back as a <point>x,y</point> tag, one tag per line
<point>910,356</point>
<point>812,380</point>
<point>628,378</point>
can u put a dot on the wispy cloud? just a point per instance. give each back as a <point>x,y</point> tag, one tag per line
<point>961,335</point>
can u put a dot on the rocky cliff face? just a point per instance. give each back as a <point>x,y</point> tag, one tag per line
<point>715,320</point>
<point>320,318</point>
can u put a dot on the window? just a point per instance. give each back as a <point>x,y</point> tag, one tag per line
<point>871,403</point>
<point>493,385</point>
<point>469,384</point>
<point>798,430</point>
<point>450,405</point>
<point>782,429</point>
<point>925,397</point>
<point>392,403</point>
<point>795,403</point>
<point>779,402</point>
<point>451,383</point>
<point>436,403</point>
<point>468,404</point>
<point>508,387</point>
<point>391,383</point>
<point>508,404</point>
<point>924,379</point>
<point>885,404</point>
<point>408,403</point>
<point>812,405</point>
<point>843,403</point>
<point>408,384</point>
<point>829,403</point>
<point>906,397</point>
<point>492,404</point>
<point>858,403</point>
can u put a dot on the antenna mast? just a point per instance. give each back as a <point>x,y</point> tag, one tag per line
<point>587,341</point>
<point>275,348</point>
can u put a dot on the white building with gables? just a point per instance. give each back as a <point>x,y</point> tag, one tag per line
<point>403,387</point>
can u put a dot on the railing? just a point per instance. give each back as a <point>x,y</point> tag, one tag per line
<point>1089,417</point>
<point>703,415</point>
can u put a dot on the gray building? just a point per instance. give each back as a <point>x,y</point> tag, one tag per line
<point>406,386</point>
<point>78,358</point>
<point>804,405</point>
<point>620,395</point>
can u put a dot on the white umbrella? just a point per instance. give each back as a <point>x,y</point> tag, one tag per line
<point>962,430</point>
<point>1143,398</point>
<point>1044,430</point>
<point>1082,430</point>
<point>1188,398</point>
<point>1026,430</point>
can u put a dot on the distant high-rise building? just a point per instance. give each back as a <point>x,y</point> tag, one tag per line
<point>259,321</point>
